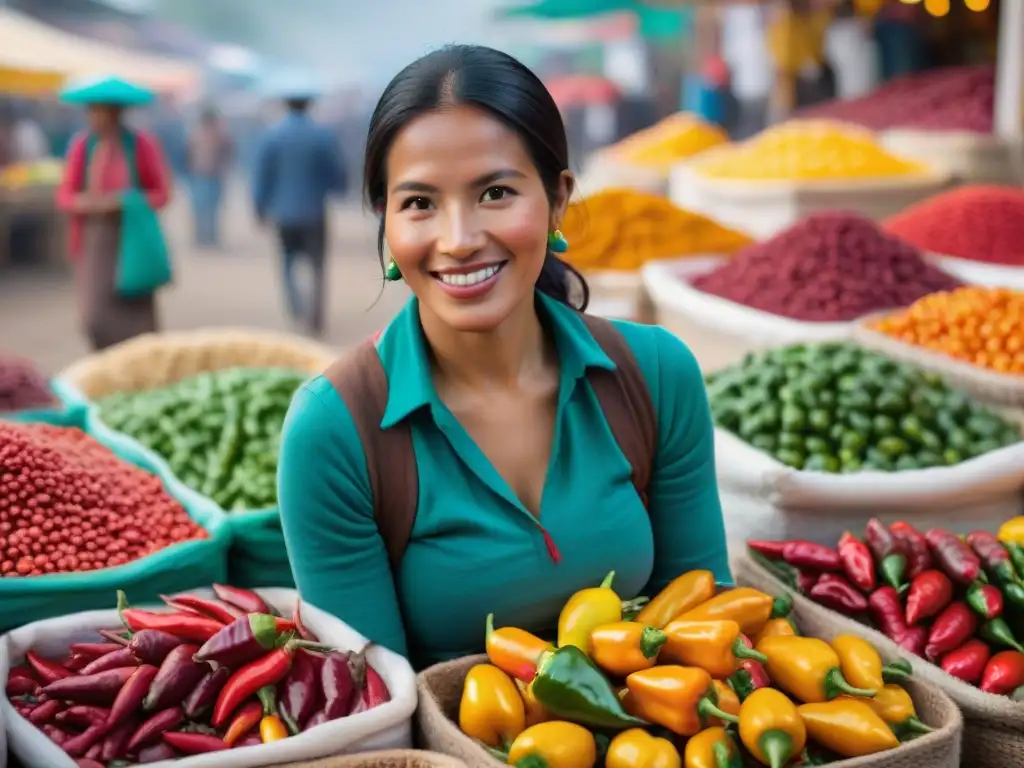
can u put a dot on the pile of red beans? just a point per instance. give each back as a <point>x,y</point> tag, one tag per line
<point>830,267</point>
<point>953,99</point>
<point>67,504</point>
<point>22,386</point>
<point>980,223</point>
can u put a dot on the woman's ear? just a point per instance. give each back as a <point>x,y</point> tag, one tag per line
<point>566,185</point>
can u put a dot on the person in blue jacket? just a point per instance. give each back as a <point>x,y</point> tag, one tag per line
<point>525,496</point>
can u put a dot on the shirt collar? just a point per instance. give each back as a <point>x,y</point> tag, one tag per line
<point>403,352</point>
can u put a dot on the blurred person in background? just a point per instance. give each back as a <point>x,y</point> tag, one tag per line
<point>297,168</point>
<point>852,51</point>
<point>796,40</point>
<point>102,161</point>
<point>21,138</point>
<point>901,42</point>
<point>745,53</point>
<point>210,154</point>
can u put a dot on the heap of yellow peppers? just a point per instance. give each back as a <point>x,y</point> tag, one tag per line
<point>698,677</point>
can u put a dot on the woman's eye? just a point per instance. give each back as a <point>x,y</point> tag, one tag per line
<point>416,203</point>
<point>494,194</point>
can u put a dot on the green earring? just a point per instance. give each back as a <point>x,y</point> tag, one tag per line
<point>557,242</point>
<point>392,274</point>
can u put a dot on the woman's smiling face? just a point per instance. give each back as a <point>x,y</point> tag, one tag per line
<point>468,217</point>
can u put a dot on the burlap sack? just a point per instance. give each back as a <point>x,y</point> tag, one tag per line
<point>160,359</point>
<point>985,385</point>
<point>993,726</point>
<point>440,690</point>
<point>393,758</point>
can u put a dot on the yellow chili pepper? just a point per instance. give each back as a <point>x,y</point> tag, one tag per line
<point>555,744</point>
<point>272,729</point>
<point>625,647</point>
<point>893,704</point>
<point>587,610</point>
<point>750,608</point>
<point>491,709</point>
<point>535,711</point>
<point>636,748</point>
<point>776,628</point>
<point>1012,531</point>
<point>862,666</point>
<point>678,698</point>
<point>728,701</point>
<point>712,748</point>
<point>514,651</point>
<point>807,668</point>
<point>850,728</point>
<point>683,593</point>
<point>771,728</point>
<point>714,646</point>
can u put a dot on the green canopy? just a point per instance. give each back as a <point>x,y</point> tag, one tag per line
<point>112,91</point>
<point>653,22</point>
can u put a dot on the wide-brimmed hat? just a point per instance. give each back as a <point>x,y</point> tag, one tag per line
<point>107,91</point>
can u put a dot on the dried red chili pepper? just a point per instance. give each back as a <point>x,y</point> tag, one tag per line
<point>985,600</point>
<point>967,662</point>
<point>952,628</point>
<point>48,671</point>
<point>100,689</point>
<point>205,693</point>
<point>914,546</point>
<point>95,650</point>
<point>20,686</point>
<point>78,745</point>
<point>770,549</point>
<point>929,593</point>
<point>999,632</point>
<point>116,743</point>
<point>888,552</point>
<point>858,564</point>
<point>807,555</point>
<point>129,698</point>
<point>187,626</point>
<point>157,752</point>
<point>214,609</point>
<point>299,692</point>
<point>887,612</point>
<point>122,657</point>
<point>152,729</point>
<point>805,581</point>
<point>84,715</point>
<point>953,556</point>
<point>151,646</point>
<point>247,680</point>
<point>243,599</point>
<point>1003,673</point>
<point>195,743</point>
<point>88,762</point>
<point>242,641</point>
<point>835,592</point>
<point>994,556</point>
<point>45,712</point>
<point>177,677</point>
<point>341,680</point>
<point>76,662</point>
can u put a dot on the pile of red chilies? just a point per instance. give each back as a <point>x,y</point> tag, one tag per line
<point>956,601</point>
<point>208,675</point>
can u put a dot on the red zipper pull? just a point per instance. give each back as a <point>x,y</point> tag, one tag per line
<point>553,553</point>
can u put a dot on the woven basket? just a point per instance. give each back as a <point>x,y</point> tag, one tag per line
<point>392,758</point>
<point>440,690</point>
<point>985,385</point>
<point>160,359</point>
<point>993,726</point>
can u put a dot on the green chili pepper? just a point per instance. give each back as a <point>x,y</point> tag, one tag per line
<point>570,686</point>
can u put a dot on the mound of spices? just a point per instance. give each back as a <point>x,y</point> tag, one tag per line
<point>977,222</point>
<point>812,150</point>
<point>669,141</point>
<point>951,99</point>
<point>622,229</point>
<point>22,386</point>
<point>981,326</point>
<point>68,504</point>
<point>830,267</point>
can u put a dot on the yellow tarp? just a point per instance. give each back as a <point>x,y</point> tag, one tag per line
<point>33,51</point>
<point>25,82</point>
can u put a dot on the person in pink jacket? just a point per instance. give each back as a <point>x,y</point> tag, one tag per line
<point>101,162</point>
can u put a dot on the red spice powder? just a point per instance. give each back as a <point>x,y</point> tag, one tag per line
<point>830,267</point>
<point>981,223</point>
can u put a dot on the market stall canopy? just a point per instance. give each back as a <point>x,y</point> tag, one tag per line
<point>35,49</point>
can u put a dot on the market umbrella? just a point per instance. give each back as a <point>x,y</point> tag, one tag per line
<point>574,90</point>
<point>107,90</point>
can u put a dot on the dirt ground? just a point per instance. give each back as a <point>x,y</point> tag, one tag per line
<point>238,285</point>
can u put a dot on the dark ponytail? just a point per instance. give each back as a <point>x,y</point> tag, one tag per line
<point>505,88</point>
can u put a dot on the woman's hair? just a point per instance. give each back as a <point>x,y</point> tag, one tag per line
<point>503,87</point>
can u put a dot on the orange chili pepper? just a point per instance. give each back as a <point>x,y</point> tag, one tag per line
<point>535,711</point>
<point>272,729</point>
<point>248,717</point>
<point>728,701</point>
<point>683,593</point>
<point>514,651</point>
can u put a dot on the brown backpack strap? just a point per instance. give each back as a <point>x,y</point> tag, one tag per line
<point>361,381</point>
<point>626,402</point>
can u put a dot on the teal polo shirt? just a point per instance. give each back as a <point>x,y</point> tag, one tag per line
<point>475,549</point>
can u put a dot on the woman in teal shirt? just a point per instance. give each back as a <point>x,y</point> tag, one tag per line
<point>524,494</point>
